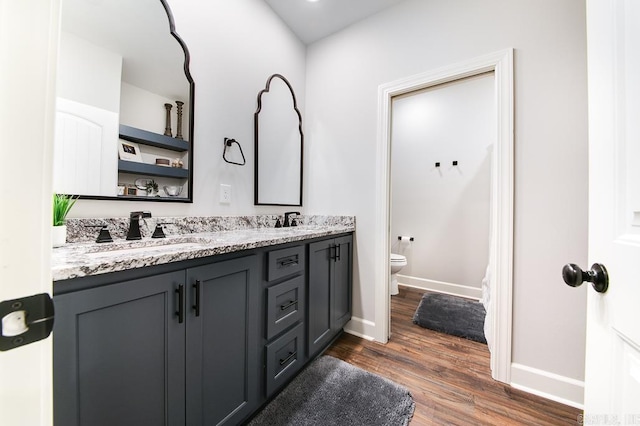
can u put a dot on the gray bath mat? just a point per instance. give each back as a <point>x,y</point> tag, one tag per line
<point>333,392</point>
<point>453,315</point>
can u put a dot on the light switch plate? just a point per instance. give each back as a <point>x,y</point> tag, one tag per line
<point>225,194</point>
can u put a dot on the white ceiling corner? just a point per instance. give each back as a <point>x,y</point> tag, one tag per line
<point>311,21</point>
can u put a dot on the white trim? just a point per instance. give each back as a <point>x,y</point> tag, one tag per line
<point>548,385</point>
<point>440,287</point>
<point>501,63</point>
<point>361,328</point>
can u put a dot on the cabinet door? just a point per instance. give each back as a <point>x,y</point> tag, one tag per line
<point>342,283</point>
<point>321,261</point>
<point>118,354</point>
<point>222,342</point>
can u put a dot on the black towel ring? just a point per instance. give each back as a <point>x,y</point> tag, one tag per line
<point>227,143</point>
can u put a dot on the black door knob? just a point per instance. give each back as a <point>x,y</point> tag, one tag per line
<point>597,276</point>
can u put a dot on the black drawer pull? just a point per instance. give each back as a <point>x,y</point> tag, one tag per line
<point>288,305</point>
<point>338,250</point>
<point>180,312</point>
<point>287,359</point>
<point>196,307</point>
<point>289,262</point>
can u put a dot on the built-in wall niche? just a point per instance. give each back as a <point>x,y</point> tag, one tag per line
<point>120,65</point>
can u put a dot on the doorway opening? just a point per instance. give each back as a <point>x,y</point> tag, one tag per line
<point>501,210</point>
<point>441,146</point>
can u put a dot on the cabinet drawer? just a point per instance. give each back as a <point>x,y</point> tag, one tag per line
<point>284,358</point>
<point>285,305</point>
<point>284,262</point>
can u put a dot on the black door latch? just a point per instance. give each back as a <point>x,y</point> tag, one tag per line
<point>25,320</point>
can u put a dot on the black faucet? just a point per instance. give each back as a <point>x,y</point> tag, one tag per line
<point>287,221</point>
<point>134,225</point>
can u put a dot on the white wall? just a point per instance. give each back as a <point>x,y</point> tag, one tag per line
<point>234,46</point>
<point>88,73</point>
<point>344,72</point>
<point>444,208</point>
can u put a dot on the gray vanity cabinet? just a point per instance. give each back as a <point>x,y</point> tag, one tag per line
<point>138,352</point>
<point>329,291</point>
<point>221,357</point>
<point>200,342</point>
<point>119,354</point>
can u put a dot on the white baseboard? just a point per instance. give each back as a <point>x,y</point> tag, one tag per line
<point>548,385</point>
<point>361,328</point>
<point>440,287</point>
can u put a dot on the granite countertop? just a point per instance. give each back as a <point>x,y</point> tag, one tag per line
<point>84,259</point>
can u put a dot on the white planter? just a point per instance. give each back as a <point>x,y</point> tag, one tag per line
<point>59,235</point>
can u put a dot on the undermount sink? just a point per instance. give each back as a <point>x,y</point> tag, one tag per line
<point>143,246</point>
<point>282,229</point>
<point>141,249</point>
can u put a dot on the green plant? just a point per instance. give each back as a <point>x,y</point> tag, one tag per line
<point>61,206</point>
<point>151,186</point>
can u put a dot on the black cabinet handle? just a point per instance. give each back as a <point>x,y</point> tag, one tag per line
<point>196,307</point>
<point>338,250</point>
<point>288,262</point>
<point>180,312</point>
<point>287,359</point>
<point>288,305</point>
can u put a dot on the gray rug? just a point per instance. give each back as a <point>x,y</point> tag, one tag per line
<point>452,315</point>
<point>333,392</point>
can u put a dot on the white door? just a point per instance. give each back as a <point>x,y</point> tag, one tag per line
<point>28,43</point>
<point>612,378</point>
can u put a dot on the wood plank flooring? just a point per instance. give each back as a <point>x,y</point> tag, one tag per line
<point>448,377</point>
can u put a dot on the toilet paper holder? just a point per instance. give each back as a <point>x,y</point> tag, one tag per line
<point>400,238</point>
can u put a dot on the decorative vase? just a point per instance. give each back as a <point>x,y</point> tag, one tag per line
<point>59,235</point>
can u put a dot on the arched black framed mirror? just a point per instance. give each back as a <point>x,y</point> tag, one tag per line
<point>279,143</point>
<point>121,66</point>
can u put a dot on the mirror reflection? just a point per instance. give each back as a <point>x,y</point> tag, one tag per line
<point>278,145</point>
<point>118,66</point>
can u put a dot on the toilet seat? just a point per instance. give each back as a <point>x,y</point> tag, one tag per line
<point>398,258</point>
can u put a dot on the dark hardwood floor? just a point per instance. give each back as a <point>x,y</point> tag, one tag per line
<point>448,377</point>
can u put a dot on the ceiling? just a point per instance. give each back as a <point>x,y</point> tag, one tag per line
<point>311,21</point>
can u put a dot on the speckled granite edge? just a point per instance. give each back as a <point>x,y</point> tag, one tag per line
<point>81,259</point>
<point>85,230</point>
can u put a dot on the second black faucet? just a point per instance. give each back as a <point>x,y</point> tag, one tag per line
<point>287,219</point>
<point>134,225</point>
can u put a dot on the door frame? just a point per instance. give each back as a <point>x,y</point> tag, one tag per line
<point>502,201</point>
<point>29,32</point>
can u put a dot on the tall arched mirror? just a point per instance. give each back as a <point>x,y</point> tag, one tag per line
<point>124,107</point>
<point>278,145</point>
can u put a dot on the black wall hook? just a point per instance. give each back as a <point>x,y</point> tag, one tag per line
<point>227,143</point>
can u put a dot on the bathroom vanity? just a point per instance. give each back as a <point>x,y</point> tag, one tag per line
<point>200,328</point>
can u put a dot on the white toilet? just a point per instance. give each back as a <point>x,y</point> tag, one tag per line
<point>398,262</point>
